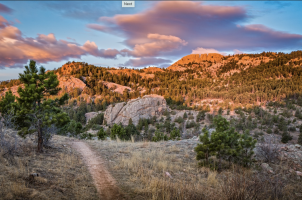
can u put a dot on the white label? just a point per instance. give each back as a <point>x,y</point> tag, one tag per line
<point>128,4</point>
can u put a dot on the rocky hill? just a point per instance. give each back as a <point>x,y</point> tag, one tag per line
<point>240,79</point>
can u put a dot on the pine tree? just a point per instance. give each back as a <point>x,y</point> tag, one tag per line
<point>300,136</point>
<point>101,134</point>
<point>7,103</point>
<point>36,113</point>
<point>117,131</point>
<point>225,144</point>
<point>286,137</point>
<point>204,149</point>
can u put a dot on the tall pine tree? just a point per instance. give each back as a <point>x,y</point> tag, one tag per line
<point>37,112</point>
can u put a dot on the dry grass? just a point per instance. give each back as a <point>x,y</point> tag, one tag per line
<point>62,174</point>
<point>140,169</point>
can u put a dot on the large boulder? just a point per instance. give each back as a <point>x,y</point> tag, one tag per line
<point>145,107</point>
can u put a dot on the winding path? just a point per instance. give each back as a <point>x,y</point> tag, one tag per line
<point>104,182</point>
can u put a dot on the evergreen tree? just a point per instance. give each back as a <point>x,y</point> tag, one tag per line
<point>175,134</point>
<point>130,130</point>
<point>286,137</point>
<point>101,134</point>
<point>300,136</point>
<point>205,149</point>
<point>225,144</point>
<point>185,116</point>
<point>36,113</point>
<point>7,103</point>
<point>117,131</point>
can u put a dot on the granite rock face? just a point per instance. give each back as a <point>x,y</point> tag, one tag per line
<point>145,107</point>
<point>68,83</point>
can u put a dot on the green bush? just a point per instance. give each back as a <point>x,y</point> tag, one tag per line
<point>73,127</point>
<point>286,137</point>
<point>101,134</point>
<point>200,116</point>
<point>191,124</point>
<point>86,136</point>
<point>179,120</point>
<point>225,144</point>
<point>159,136</point>
<point>269,131</point>
<point>175,134</point>
<point>117,131</point>
<point>185,116</point>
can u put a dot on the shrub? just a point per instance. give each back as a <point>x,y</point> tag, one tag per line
<point>185,116</point>
<point>190,124</point>
<point>220,111</point>
<point>159,136</point>
<point>86,136</point>
<point>286,137</point>
<point>300,139</point>
<point>175,134</point>
<point>117,131</point>
<point>291,128</point>
<point>73,127</point>
<point>179,120</point>
<point>236,148</point>
<point>200,116</point>
<point>101,134</point>
<point>269,131</point>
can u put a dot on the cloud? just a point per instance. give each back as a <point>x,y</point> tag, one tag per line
<point>16,50</point>
<point>199,25</point>
<point>157,45</point>
<point>236,51</point>
<point>88,10</point>
<point>145,62</point>
<point>3,22</point>
<point>5,9</point>
<point>201,50</point>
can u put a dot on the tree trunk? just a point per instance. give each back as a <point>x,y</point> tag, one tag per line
<point>40,140</point>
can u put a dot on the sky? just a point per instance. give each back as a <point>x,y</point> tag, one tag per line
<point>153,33</point>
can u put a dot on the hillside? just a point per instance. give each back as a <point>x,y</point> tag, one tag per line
<point>238,79</point>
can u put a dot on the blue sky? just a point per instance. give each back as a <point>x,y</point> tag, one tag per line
<point>151,34</point>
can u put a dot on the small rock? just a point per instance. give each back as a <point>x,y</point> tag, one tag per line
<point>267,168</point>
<point>168,175</point>
<point>299,173</point>
<point>298,146</point>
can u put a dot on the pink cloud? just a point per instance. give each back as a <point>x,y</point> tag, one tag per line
<point>16,50</point>
<point>207,26</point>
<point>145,62</point>
<point>201,50</point>
<point>157,45</point>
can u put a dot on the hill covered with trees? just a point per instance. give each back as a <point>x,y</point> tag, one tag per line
<point>239,79</point>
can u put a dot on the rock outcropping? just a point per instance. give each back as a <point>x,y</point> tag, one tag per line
<point>68,83</point>
<point>198,58</point>
<point>145,107</point>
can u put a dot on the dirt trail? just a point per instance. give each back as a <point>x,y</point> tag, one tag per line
<point>103,181</point>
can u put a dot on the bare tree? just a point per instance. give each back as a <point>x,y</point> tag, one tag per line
<point>268,149</point>
<point>7,132</point>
